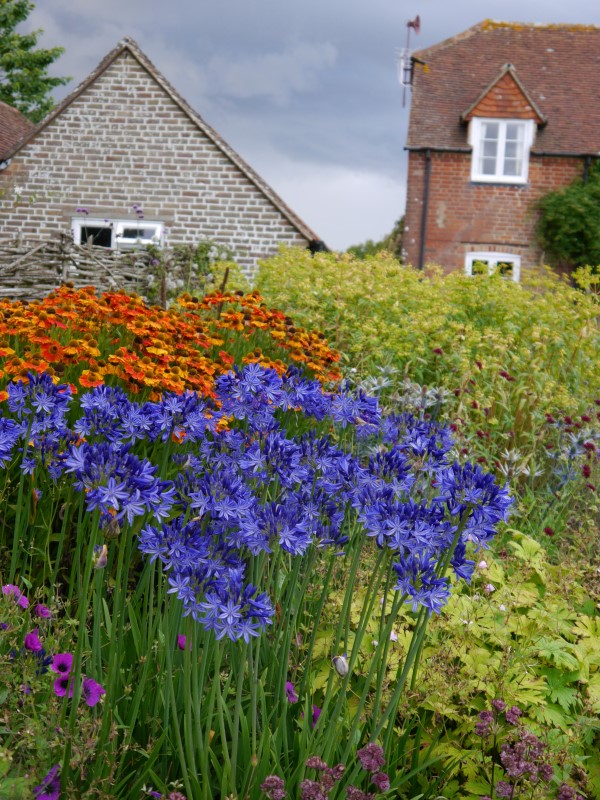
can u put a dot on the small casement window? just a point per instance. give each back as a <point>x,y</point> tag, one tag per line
<point>500,149</point>
<point>117,234</point>
<point>507,265</point>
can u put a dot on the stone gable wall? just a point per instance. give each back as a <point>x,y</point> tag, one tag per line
<point>123,142</point>
<point>467,217</point>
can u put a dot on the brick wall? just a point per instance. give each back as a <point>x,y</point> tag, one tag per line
<point>466,217</point>
<point>122,142</point>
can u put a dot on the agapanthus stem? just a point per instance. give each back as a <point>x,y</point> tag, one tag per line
<point>19,511</point>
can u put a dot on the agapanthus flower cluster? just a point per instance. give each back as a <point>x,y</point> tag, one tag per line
<point>254,490</point>
<point>246,485</point>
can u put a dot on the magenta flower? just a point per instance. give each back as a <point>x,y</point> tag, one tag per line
<point>315,715</point>
<point>63,685</point>
<point>182,641</point>
<point>10,590</point>
<point>42,611</point>
<point>49,788</point>
<point>32,641</point>
<point>62,663</point>
<point>291,692</point>
<point>92,691</point>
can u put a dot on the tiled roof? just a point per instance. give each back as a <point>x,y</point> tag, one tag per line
<point>557,65</point>
<point>507,98</point>
<point>128,45</point>
<point>13,127</point>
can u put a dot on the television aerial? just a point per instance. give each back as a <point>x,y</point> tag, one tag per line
<point>404,63</point>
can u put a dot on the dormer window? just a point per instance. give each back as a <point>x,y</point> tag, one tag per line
<point>500,149</point>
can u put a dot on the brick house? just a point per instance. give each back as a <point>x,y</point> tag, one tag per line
<point>145,167</point>
<point>500,115</point>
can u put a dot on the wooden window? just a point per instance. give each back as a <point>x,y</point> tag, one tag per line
<point>508,265</point>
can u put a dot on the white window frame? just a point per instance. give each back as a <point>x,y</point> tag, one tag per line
<point>476,131</point>
<point>117,228</point>
<point>493,259</point>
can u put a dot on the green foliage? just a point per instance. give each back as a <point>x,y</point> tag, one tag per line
<point>392,243</point>
<point>525,631</point>
<point>24,80</point>
<point>569,222</point>
<point>512,366</point>
<point>196,269</point>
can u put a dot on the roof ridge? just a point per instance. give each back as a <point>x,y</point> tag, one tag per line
<point>489,24</point>
<point>129,44</point>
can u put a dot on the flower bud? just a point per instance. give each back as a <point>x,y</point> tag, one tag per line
<point>340,664</point>
<point>100,556</point>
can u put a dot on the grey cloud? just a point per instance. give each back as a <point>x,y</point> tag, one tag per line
<point>277,76</point>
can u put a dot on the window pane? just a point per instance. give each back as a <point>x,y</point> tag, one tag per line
<point>488,166</point>
<point>490,148</point>
<point>490,130</point>
<point>100,237</point>
<point>514,131</point>
<point>480,267</point>
<point>505,268</point>
<point>138,233</point>
<point>513,167</point>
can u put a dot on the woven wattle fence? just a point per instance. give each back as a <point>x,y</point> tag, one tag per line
<point>30,269</point>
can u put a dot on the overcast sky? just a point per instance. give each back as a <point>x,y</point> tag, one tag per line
<point>306,92</point>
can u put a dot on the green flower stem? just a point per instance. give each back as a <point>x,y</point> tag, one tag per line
<point>18,534</point>
<point>170,639</point>
<point>76,672</point>
<point>238,709</point>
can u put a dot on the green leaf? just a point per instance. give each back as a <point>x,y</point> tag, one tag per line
<point>558,651</point>
<point>478,788</point>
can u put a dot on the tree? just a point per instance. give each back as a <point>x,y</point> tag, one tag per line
<point>392,243</point>
<point>569,223</point>
<point>24,80</point>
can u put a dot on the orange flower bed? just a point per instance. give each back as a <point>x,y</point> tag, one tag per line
<point>116,338</point>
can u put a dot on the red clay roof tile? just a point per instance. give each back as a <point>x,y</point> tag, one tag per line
<point>559,65</point>
<point>13,126</point>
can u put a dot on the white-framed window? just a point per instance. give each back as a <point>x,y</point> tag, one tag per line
<point>500,149</point>
<point>508,265</point>
<point>117,234</point>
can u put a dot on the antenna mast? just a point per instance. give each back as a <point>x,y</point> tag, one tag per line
<point>404,61</point>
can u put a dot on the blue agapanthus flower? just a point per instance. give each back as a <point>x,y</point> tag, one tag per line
<point>246,486</point>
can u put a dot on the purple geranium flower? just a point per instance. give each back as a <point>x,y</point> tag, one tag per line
<point>62,685</point>
<point>291,692</point>
<point>182,641</point>
<point>49,788</point>
<point>62,663</point>
<point>315,715</point>
<point>42,611</point>
<point>32,641</point>
<point>10,590</point>
<point>92,691</point>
